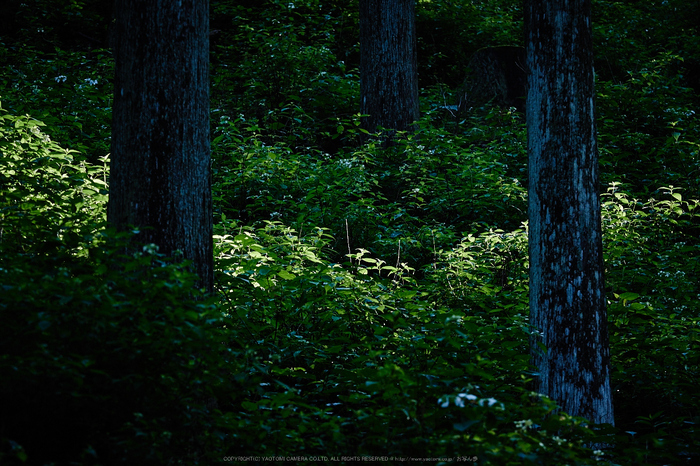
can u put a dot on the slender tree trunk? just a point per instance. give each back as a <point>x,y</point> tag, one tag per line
<point>567,300</point>
<point>160,170</point>
<point>388,66</point>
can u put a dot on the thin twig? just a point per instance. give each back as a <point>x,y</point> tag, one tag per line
<point>398,257</point>
<point>347,236</point>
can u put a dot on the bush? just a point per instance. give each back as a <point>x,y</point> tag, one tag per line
<point>106,357</point>
<point>358,359</point>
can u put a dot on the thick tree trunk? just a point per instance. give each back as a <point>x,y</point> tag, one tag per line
<point>160,170</point>
<point>388,66</point>
<point>567,301</point>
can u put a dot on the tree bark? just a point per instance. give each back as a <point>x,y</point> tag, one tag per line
<point>567,300</point>
<point>388,65</point>
<point>160,162</point>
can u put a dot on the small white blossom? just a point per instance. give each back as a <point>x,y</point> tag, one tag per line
<point>459,400</point>
<point>345,163</point>
<point>488,402</point>
<point>524,424</point>
<point>150,248</point>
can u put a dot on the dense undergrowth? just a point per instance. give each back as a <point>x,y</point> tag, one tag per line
<point>370,300</point>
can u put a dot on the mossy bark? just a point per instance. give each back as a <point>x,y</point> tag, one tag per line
<point>567,299</point>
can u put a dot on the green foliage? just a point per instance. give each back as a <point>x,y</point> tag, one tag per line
<point>358,360</point>
<point>401,203</point>
<point>48,24</point>
<point>116,361</point>
<point>46,189</point>
<point>71,92</point>
<point>662,130</point>
<point>114,354</point>
<point>651,250</point>
<point>277,66</point>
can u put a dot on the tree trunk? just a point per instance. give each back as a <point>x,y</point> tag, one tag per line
<point>388,66</point>
<point>160,171</point>
<point>567,300</point>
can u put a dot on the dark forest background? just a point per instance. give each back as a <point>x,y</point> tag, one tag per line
<point>370,300</point>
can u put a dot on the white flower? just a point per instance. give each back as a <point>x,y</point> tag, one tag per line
<point>60,79</point>
<point>345,163</point>
<point>459,400</point>
<point>488,402</point>
<point>525,424</point>
<point>150,248</point>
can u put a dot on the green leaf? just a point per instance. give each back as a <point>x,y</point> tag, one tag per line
<point>249,406</point>
<point>628,296</point>
<point>462,426</point>
<point>286,275</point>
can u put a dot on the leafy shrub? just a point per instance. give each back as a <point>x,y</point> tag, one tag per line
<point>105,357</point>
<point>659,146</point>
<point>278,69</point>
<point>652,254</point>
<point>71,92</point>
<point>400,203</point>
<point>357,359</point>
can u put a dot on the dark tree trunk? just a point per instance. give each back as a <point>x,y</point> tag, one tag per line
<point>160,170</point>
<point>567,300</point>
<point>388,66</point>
